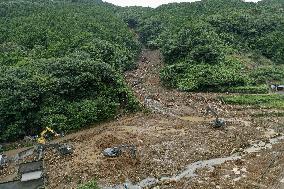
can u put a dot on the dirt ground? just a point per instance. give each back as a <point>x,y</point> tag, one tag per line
<point>172,135</point>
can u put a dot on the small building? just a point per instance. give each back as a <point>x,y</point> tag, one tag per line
<point>31,171</point>
<point>279,89</point>
<point>31,177</point>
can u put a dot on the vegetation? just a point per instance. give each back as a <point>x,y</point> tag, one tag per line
<point>133,16</point>
<point>263,101</point>
<point>61,65</point>
<point>206,49</point>
<point>89,185</point>
<point>62,61</point>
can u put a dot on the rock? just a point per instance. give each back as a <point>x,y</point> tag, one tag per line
<point>244,169</point>
<point>112,152</point>
<point>219,123</point>
<point>236,171</point>
<point>261,144</point>
<point>237,179</point>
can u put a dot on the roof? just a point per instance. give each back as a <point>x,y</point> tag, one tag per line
<point>31,176</point>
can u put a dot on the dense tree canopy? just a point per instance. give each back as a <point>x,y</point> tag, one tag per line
<point>219,45</point>
<point>61,65</point>
<point>61,61</point>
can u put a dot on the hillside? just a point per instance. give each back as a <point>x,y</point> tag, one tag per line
<point>204,50</point>
<point>216,45</point>
<point>182,90</point>
<point>61,65</point>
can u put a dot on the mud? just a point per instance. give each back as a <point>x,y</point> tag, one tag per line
<point>177,146</point>
<point>191,169</point>
<point>33,184</point>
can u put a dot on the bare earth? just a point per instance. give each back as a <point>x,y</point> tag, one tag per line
<point>171,137</point>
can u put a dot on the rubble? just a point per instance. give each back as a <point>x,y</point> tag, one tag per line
<point>112,152</point>
<point>117,151</point>
<point>65,149</point>
<point>174,140</point>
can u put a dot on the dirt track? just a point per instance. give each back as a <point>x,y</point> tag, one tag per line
<point>171,136</point>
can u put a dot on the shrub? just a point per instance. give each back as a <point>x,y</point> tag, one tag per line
<point>197,38</point>
<point>265,101</point>
<point>89,185</point>
<point>205,77</point>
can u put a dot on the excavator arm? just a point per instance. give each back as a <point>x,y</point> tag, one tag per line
<point>213,112</point>
<point>218,122</point>
<point>42,138</point>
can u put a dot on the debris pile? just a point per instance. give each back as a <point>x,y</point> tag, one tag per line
<point>174,151</point>
<point>117,151</point>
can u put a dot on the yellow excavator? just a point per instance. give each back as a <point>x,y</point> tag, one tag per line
<point>42,138</point>
<point>64,149</point>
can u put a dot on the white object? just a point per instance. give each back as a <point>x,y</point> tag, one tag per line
<point>3,160</point>
<point>31,176</point>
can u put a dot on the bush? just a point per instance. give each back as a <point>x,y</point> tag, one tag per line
<point>250,89</point>
<point>264,101</point>
<point>267,73</point>
<point>89,185</point>
<point>204,77</point>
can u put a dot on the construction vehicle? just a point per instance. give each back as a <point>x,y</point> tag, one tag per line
<point>63,149</point>
<point>217,122</point>
<point>117,151</point>
<point>42,138</point>
<point>277,89</point>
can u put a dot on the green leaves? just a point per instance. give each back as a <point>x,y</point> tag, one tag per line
<point>61,64</point>
<point>198,40</point>
<point>264,101</point>
<point>64,93</point>
<point>272,46</point>
<point>90,185</point>
<point>206,77</point>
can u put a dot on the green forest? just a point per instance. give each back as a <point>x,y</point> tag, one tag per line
<point>61,65</point>
<point>62,61</point>
<point>216,45</point>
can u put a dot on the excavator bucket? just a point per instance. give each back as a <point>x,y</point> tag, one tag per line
<point>65,149</point>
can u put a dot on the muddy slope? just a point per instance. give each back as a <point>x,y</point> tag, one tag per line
<point>172,139</point>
